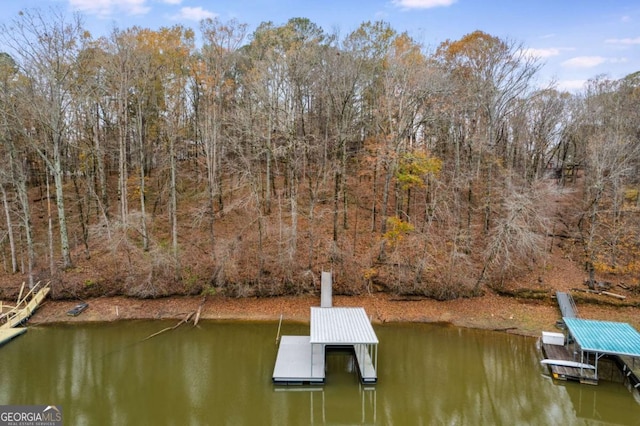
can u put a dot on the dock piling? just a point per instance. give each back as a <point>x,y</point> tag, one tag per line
<point>278,333</point>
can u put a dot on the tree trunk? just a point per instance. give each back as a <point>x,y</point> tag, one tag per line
<point>143,202</point>
<point>122,162</point>
<point>52,266</point>
<point>267,193</point>
<point>385,195</point>
<point>12,245</point>
<point>84,219</point>
<point>374,210</point>
<point>62,219</point>
<point>343,185</point>
<point>487,201</point>
<point>173,208</point>
<point>102,178</point>
<point>336,198</point>
<point>23,198</point>
<point>293,200</point>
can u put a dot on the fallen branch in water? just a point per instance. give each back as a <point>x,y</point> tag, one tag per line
<point>197,318</point>
<point>186,319</point>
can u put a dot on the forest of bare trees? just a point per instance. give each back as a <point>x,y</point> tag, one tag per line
<point>181,161</point>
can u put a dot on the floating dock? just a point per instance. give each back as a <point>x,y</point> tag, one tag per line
<point>7,334</point>
<point>299,362</point>
<point>19,314</point>
<point>582,375</point>
<point>301,359</point>
<point>587,341</point>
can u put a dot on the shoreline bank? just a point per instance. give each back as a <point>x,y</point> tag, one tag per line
<point>489,312</point>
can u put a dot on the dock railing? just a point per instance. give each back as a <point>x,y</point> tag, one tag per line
<point>25,306</point>
<point>567,305</point>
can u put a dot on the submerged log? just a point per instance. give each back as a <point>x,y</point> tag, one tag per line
<point>186,319</point>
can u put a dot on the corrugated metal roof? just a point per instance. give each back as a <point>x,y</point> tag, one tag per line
<point>348,326</point>
<point>607,337</point>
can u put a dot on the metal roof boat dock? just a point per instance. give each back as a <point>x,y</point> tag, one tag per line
<point>596,339</point>
<point>301,359</point>
<point>604,337</point>
<point>587,342</point>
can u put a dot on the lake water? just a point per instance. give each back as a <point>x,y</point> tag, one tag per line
<point>219,373</point>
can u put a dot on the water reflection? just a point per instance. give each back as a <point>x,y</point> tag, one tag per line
<point>220,373</point>
<point>325,408</point>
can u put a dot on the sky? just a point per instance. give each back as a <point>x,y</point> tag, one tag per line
<point>576,40</point>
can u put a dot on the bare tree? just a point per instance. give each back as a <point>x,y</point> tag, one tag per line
<point>16,148</point>
<point>611,153</point>
<point>214,92</point>
<point>517,239</point>
<point>8,69</point>
<point>46,48</point>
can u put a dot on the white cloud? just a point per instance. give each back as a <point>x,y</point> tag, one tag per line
<point>109,7</point>
<point>422,4</point>
<point>622,60</point>
<point>194,14</point>
<point>541,53</point>
<point>584,62</point>
<point>623,41</point>
<point>174,2</point>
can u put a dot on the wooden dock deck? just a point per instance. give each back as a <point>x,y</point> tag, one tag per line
<point>567,373</point>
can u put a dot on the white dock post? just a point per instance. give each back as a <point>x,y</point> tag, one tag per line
<point>325,290</point>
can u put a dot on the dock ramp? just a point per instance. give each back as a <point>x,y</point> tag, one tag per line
<point>567,305</point>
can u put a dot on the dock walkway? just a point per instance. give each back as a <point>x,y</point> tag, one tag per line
<point>19,314</point>
<point>567,305</point>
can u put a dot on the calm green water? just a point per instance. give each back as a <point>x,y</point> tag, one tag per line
<point>219,373</point>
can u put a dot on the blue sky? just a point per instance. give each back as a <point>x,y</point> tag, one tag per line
<point>576,39</point>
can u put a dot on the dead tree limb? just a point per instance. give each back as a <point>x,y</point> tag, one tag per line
<point>185,319</point>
